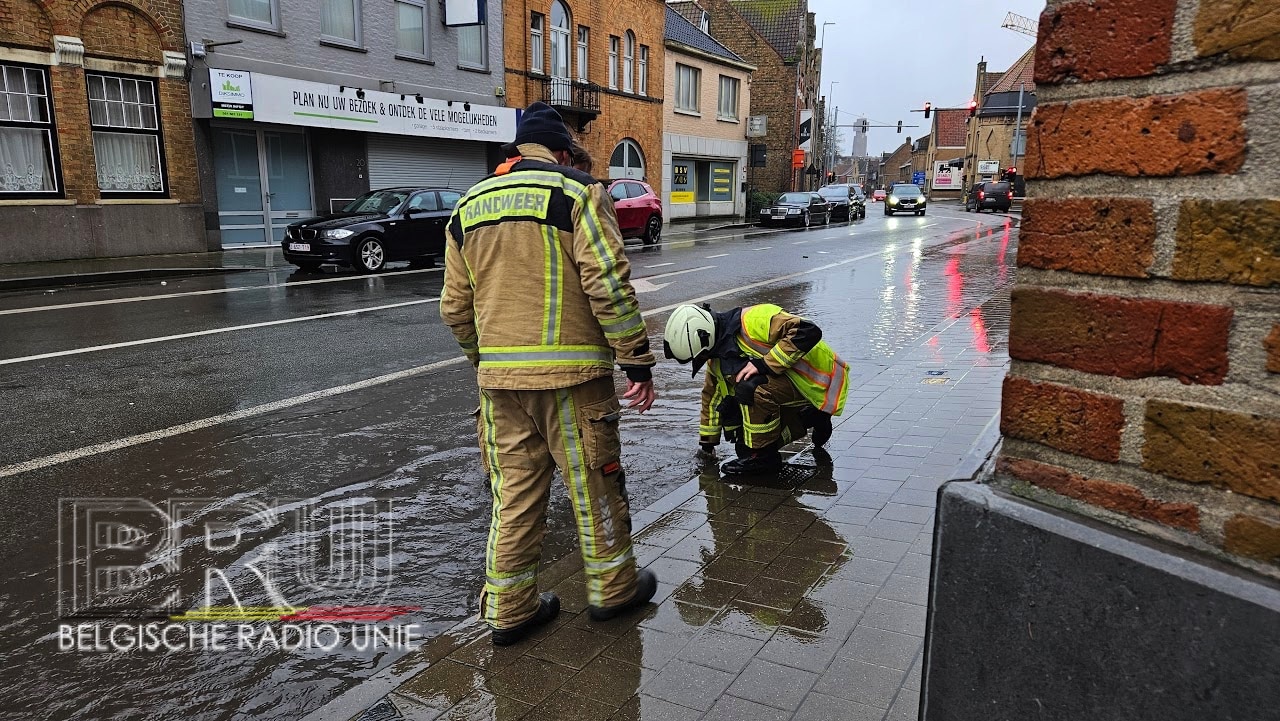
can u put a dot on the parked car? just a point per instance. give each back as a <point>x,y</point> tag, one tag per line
<point>878,195</point>
<point>378,227</point>
<point>846,201</point>
<point>803,209</point>
<point>905,198</point>
<point>989,196</point>
<point>639,210</point>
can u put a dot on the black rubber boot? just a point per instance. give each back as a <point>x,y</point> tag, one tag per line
<point>821,428</point>
<point>757,462</point>
<point>548,609</point>
<point>646,586</point>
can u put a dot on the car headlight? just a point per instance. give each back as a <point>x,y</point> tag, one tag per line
<point>893,201</point>
<point>793,211</point>
<point>338,234</point>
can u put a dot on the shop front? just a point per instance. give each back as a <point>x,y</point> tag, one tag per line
<point>702,187</point>
<point>283,149</point>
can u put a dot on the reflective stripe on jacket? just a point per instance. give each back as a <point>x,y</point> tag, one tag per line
<point>537,287</point>
<point>819,375</point>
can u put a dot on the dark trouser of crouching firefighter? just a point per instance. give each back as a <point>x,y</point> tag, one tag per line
<point>770,378</point>
<point>545,345</point>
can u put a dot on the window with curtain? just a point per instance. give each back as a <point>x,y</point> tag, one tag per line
<point>411,28</point>
<point>629,64</point>
<point>560,39</point>
<point>473,49</point>
<point>728,107</point>
<point>124,119</point>
<point>614,42</point>
<point>27,162</point>
<point>340,21</point>
<point>643,87</point>
<point>537,28</point>
<point>584,52</point>
<point>260,13</point>
<point>687,93</point>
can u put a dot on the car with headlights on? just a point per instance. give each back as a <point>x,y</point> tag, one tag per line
<point>379,227</point>
<point>846,201</point>
<point>803,209</point>
<point>904,198</point>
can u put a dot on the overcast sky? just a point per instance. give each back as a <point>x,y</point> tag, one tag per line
<point>888,57</point>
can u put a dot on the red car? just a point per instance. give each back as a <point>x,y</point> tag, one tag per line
<point>639,210</point>
<point>878,195</point>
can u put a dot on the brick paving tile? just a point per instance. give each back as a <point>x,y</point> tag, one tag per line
<point>643,707</point>
<point>882,648</point>
<point>730,708</point>
<point>720,650</point>
<point>862,682</point>
<point>689,685</point>
<point>807,651</point>
<point>778,686</point>
<point>820,707</point>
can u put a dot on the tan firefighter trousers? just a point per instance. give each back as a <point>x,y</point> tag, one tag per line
<point>524,435</point>
<point>775,416</point>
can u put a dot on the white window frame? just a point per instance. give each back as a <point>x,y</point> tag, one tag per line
<point>629,63</point>
<point>615,44</point>
<point>483,35</point>
<point>728,111</point>
<point>584,52</point>
<point>560,36</point>
<point>251,24</point>
<point>538,43</point>
<point>642,86</point>
<point>425,53</point>
<point>124,128</point>
<point>688,99</point>
<point>357,10</point>
<point>45,126</point>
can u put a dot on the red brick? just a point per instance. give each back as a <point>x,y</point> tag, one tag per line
<point>1231,241</point>
<point>1102,236</point>
<point>1104,39</point>
<point>1199,444</point>
<point>1244,29</point>
<point>1272,345</point>
<point>1117,497</point>
<point>1253,537</point>
<point>1071,420</point>
<point>1122,337</point>
<point>1158,136</point>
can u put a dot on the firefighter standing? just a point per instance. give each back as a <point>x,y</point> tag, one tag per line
<point>770,377</point>
<point>537,294</point>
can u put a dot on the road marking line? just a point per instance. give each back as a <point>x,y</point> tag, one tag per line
<point>722,255</point>
<point>800,242</point>
<point>767,247</point>
<point>677,272</point>
<point>213,291</point>
<point>659,265</point>
<point>242,414</point>
<point>213,331</point>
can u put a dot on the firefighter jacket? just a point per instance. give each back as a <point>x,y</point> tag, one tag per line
<point>779,343</point>
<point>537,287</point>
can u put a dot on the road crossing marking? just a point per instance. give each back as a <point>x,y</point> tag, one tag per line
<point>678,272</point>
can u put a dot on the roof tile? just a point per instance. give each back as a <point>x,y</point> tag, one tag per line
<point>780,22</point>
<point>682,31</point>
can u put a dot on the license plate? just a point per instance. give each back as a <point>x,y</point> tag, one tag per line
<point>301,247</point>
<point>779,217</point>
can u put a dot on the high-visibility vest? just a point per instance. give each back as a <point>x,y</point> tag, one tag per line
<point>820,376</point>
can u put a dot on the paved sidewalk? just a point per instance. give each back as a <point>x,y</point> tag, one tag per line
<point>101,270</point>
<point>801,601</point>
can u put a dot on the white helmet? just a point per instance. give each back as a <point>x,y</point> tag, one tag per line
<point>690,332</point>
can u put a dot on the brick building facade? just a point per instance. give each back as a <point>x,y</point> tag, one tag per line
<point>989,137</point>
<point>777,37</point>
<point>1130,533</point>
<point>96,150</point>
<point>896,167</point>
<point>613,99</point>
<point>946,143</point>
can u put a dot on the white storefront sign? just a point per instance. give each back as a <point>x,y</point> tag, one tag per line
<point>988,167</point>
<point>289,101</point>
<point>945,177</point>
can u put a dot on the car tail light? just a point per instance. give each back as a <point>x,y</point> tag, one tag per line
<point>981,194</point>
<point>1010,195</point>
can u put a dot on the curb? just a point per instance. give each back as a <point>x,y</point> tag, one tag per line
<point>111,276</point>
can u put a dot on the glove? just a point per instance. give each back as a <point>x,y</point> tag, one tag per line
<point>745,392</point>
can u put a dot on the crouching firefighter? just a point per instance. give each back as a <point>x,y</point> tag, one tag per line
<point>770,378</point>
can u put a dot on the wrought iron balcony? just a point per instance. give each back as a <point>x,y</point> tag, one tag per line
<point>578,97</point>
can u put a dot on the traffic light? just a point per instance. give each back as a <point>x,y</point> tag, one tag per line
<point>831,178</point>
<point>865,125</point>
<point>899,126</point>
<point>928,108</point>
<point>973,107</point>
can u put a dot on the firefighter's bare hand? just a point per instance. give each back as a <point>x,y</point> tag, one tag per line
<point>746,373</point>
<point>641,395</point>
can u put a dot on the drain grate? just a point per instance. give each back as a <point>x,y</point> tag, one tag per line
<point>792,475</point>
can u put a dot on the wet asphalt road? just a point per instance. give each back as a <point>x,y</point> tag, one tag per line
<point>231,356</point>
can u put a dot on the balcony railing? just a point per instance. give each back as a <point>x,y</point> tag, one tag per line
<point>580,97</point>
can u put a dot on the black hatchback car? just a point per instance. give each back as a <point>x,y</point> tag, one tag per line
<point>803,209</point>
<point>846,201</point>
<point>378,227</point>
<point>989,196</point>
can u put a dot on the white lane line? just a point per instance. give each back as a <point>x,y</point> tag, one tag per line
<point>242,414</point>
<point>659,265</point>
<point>677,272</point>
<point>214,291</point>
<point>721,255</point>
<point>800,242</point>
<point>767,247</point>
<point>99,448</point>
<point>213,331</point>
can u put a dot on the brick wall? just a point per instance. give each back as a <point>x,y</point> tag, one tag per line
<point>706,124</point>
<point>893,166</point>
<point>1145,336</point>
<point>622,116</point>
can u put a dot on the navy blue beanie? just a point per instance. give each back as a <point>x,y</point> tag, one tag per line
<point>541,124</point>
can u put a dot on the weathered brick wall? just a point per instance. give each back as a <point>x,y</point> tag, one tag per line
<point>622,116</point>
<point>1145,336</point>
<point>893,172</point>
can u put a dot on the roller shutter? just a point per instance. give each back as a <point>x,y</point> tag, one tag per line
<point>396,160</point>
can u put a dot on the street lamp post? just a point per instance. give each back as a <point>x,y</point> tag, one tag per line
<point>824,33</point>
<point>829,136</point>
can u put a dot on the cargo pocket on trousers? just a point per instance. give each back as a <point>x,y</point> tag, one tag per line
<point>484,455</point>
<point>598,428</point>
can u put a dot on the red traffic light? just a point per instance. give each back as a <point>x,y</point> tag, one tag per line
<point>928,108</point>
<point>973,107</point>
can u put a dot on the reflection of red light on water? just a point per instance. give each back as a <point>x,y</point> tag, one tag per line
<point>1003,269</point>
<point>955,287</point>
<point>979,327</point>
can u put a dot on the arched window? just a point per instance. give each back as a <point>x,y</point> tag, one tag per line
<point>627,161</point>
<point>561,50</point>
<point>629,64</point>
